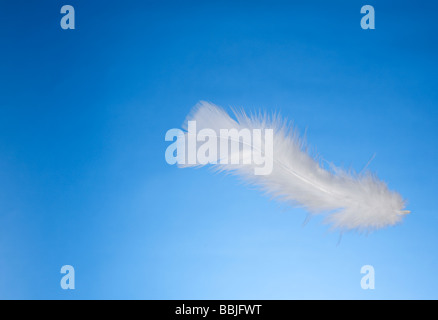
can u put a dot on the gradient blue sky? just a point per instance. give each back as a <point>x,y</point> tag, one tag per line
<point>83,179</point>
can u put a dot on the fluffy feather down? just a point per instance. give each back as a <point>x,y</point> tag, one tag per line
<point>352,201</point>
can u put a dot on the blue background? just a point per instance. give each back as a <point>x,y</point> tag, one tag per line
<point>83,179</point>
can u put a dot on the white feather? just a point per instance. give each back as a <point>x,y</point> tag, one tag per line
<point>351,201</point>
